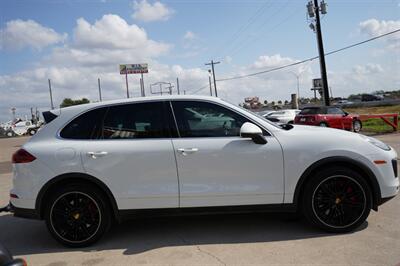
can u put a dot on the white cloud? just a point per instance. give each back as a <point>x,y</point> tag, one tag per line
<point>147,12</point>
<point>277,60</point>
<point>18,34</point>
<point>113,32</point>
<point>189,36</point>
<point>374,27</point>
<point>107,42</point>
<point>192,45</point>
<point>368,69</point>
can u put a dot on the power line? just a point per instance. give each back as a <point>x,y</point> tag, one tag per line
<point>200,89</point>
<point>254,39</point>
<point>243,27</point>
<point>244,42</point>
<point>308,59</point>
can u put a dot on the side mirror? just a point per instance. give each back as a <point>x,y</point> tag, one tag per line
<point>346,114</point>
<point>249,130</point>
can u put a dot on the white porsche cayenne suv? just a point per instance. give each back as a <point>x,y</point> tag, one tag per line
<point>97,163</point>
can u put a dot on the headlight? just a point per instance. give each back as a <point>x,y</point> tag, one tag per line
<point>377,143</point>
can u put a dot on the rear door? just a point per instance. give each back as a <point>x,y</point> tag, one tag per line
<point>131,151</point>
<point>216,166</point>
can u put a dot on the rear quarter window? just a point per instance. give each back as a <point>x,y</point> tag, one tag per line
<point>85,126</point>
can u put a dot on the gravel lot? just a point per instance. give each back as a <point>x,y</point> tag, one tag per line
<point>207,240</point>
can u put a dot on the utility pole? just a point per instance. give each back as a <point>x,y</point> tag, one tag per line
<point>213,72</point>
<point>209,81</point>
<point>126,81</point>
<point>98,81</point>
<point>177,85</point>
<point>142,85</point>
<point>314,10</point>
<point>51,95</point>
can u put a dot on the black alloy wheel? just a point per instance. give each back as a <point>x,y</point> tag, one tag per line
<point>338,200</point>
<point>78,217</point>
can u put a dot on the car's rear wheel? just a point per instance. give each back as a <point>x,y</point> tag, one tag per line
<point>77,215</point>
<point>337,200</point>
<point>357,125</point>
<point>323,124</point>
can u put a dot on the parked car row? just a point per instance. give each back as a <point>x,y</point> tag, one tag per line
<point>19,127</point>
<point>323,116</point>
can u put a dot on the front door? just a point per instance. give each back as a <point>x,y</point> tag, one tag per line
<point>217,167</point>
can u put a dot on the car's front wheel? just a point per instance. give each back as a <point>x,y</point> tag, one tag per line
<point>77,215</point>
<point>337,200</point>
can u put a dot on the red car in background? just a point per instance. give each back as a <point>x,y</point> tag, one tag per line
<point>328,116</point>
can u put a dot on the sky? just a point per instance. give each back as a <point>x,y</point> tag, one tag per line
<point>75,42</point>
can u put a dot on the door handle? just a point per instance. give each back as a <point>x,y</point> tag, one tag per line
<point>186,151</point>
<point>96,154</point>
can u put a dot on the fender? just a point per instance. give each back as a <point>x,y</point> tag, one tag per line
<point>370,177</point>
<point>75,176</point>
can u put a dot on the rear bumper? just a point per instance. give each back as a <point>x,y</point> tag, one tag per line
<point>21,212</point>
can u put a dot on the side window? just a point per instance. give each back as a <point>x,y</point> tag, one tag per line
<point>335,111</point>
<point>134,121</point>
<point>201,119</point>
<point>85,126</point>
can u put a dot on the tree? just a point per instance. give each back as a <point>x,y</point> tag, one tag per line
<point>273,103</point>
<point>265,102</point>
<point>69,102</point>
<point>279,102</point>
<point>286,102</point>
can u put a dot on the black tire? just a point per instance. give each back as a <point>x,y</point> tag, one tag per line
<point>357,125</point>
<point>78,225</point>
<point>290,122</point>
<point>323,124</point>
<point>10,133</point>
<point>337,200</point>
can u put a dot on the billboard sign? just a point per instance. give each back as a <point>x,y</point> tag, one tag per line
<point>133,69</point>
<point>317,83</point>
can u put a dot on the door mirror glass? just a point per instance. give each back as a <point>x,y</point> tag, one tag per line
<point>249,130</point>
<point>345,114</point>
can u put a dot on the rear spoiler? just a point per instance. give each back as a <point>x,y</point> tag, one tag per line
<point>51,115</point>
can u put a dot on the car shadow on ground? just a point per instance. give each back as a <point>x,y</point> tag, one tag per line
<point>25,237</point>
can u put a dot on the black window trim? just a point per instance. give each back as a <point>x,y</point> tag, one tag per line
<point>165,106</point>
<point>216,103</point>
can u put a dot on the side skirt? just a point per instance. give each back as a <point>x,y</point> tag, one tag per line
<point>193,211</point>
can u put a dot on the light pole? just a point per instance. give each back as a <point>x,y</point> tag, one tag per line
<point>51,96</point>
<point>298,86</point>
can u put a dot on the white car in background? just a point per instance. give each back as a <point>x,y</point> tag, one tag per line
<point>26,127</point>
<point>282,116</point>
<point>96,163</point>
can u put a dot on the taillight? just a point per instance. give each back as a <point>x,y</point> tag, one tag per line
<point>22,156</point>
